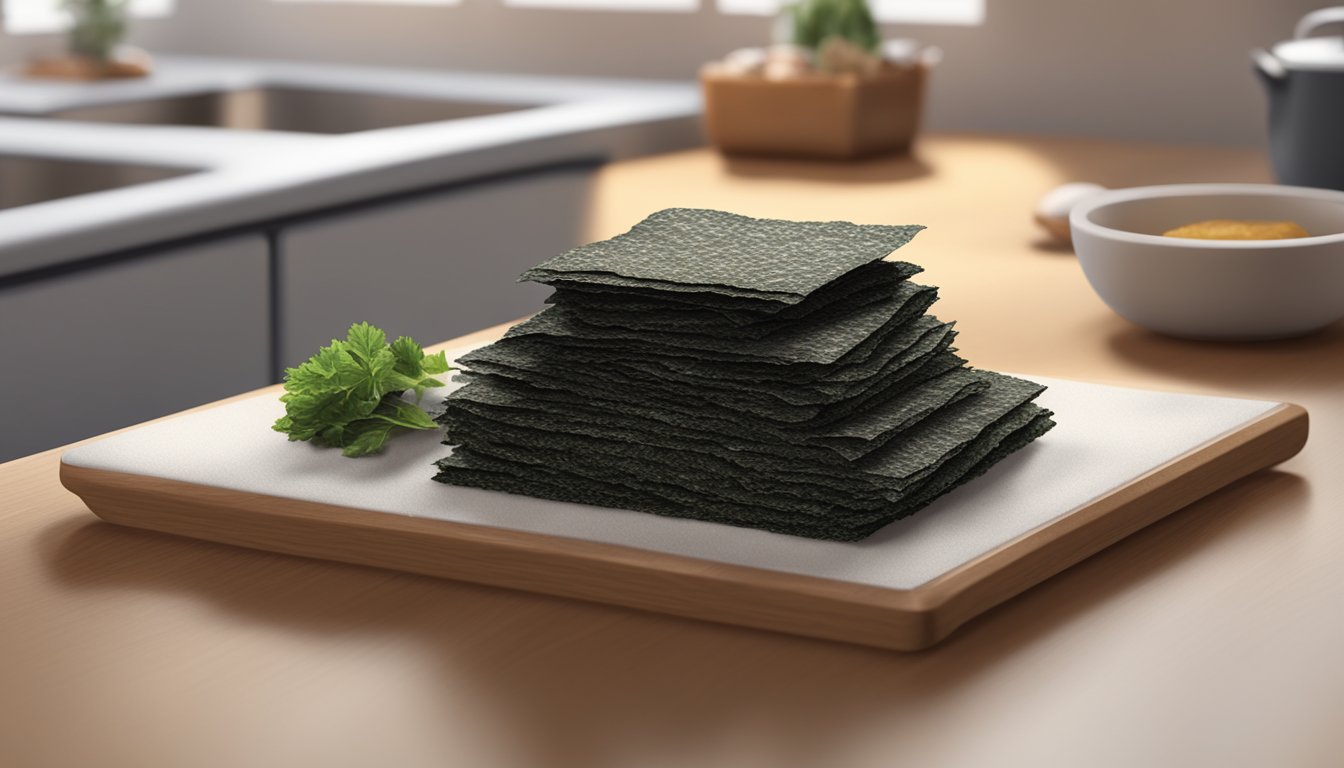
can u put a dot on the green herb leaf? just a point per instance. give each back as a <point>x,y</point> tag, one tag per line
<point>349,394</point>
<point>368,437</point>
<point>398,412</point>
<point>409,355</point>
<point>435,363</point>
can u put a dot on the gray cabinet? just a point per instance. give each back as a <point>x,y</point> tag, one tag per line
<point>98,348</point>
<point>105,347</point>
<point>433,267</point>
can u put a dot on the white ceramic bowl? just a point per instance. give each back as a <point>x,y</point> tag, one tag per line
<point>1214,289</point>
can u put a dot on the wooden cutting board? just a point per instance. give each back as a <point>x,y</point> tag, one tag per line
<point>1119,460</point>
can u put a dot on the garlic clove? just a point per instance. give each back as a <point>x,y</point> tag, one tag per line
<point>1052,211</point>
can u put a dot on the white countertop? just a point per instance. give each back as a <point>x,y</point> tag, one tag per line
<point>254,176</point>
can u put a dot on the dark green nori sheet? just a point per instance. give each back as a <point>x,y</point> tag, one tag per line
<point>777,375</point>
<point>719,252</point>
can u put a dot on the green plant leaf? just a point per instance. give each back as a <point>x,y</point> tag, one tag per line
<point>348,394</point>
<point>368,437</point>
<point>816,21</point>
<point>365,342</point>
<point>435,363</point>
<point>408,355</point>
<point>398,412</point>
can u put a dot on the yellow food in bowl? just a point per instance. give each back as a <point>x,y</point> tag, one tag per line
<point>1239,229</point>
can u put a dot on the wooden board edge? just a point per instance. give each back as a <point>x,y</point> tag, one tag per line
<point>965,592</point>
<point>565,567</point>
<point>684,586</point>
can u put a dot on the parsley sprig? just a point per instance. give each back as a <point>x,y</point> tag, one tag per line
<point>349,395</point>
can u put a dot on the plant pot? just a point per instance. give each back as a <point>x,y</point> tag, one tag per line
<point>816,116</point>
<point>85,68</point>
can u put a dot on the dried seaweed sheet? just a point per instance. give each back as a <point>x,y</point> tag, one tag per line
<point>772,374</point>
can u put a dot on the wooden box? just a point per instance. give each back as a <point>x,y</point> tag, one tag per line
<point>83,68</point>
<point>816,116</point>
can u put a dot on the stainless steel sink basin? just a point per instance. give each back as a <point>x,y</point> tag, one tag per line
<point>25,180</point>
<point>287,109</point>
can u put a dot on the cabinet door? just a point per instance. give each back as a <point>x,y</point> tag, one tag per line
<point>433,267</point>
<point>109,346</point>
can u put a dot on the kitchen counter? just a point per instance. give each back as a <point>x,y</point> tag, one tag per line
<point>1209,638</point>
<point>247,177</point>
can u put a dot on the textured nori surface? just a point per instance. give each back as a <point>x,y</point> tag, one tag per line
<point>690,249</point>
<point>761,373</point>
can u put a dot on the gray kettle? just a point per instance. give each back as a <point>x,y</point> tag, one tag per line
<point>1305,80</point>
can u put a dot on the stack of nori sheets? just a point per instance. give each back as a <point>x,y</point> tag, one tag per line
<point>773,374</point>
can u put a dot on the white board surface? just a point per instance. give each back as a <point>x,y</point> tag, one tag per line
<point>1106,437</point>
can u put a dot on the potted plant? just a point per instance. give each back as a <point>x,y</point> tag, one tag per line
<point>835,90</point>
<point>97,29</point>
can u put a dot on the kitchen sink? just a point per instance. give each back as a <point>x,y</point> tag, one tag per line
<point>299,110</point>
<point>25,180</point>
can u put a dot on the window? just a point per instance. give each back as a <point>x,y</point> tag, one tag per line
<point>23,17</point>
<point>962,12</point>
<point>610,5</point>
<point>966,12</point>
<point>378,2</point>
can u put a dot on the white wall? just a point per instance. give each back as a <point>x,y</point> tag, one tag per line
<point>1166,70</point>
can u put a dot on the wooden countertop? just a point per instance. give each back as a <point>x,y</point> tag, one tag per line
<point>1211,638</point>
